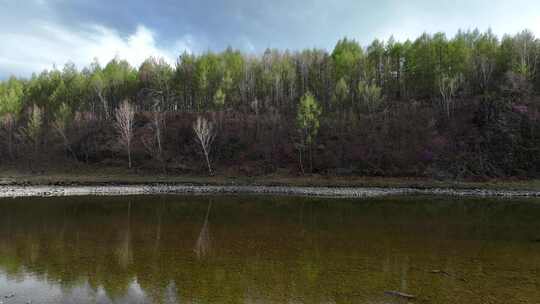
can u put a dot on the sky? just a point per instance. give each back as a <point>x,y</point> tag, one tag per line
<point>41,34</point>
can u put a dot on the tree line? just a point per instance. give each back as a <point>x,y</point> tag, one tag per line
<point>465,106</point>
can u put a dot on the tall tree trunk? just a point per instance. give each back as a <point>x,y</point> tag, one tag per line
<point>208,162</point>
<point>10,146</point>
<point>301,161</point>
<point>129,155</point>
<point>310,158</point>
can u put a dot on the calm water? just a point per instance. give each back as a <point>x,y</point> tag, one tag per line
<point>248,249</point>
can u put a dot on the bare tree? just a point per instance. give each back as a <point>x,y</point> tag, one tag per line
<point>256,106</point>
<point>448,87</point>
<point>61,124</point>
<point>159,125</point>
<point>157,74</point>
<point>124,123</point>
<point>8,125</point>
<point>154,143</point>
<point>485,67</point>
<point>205,132</point>
<point>273,120</point>
<point>85,126</point>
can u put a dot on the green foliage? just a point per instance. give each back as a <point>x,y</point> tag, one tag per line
<point>64,117</point>
<point>219,99</point>
<point>420,65</point>
<point>346,56</point>
<point>307,118</point>
<point>120,79</point>
<point>11,96</point>
<point>370,96</point>
<point>155,73</point>
<point>526,53</point>
<point>484,60</point>
<point>341,93</point>
<point>35,124</point>
<point>375,68</point>
<point>279,79</point>
<point>395,52</point>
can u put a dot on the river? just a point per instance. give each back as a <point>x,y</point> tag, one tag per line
<point>269,249</point>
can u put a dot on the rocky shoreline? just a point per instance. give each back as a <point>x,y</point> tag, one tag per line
<point>343,192</point>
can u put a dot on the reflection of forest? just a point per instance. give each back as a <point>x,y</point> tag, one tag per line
<point>276,249</point>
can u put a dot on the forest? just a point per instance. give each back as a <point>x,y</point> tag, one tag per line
<point>466,106</point>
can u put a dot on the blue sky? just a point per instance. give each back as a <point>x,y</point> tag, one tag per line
<point>37,34</point>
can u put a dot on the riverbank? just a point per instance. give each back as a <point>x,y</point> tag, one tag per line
<point>115,176</point>
<point>344,192</point>
<point>111,182</point>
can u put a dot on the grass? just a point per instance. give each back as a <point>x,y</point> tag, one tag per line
<point>111,175</point>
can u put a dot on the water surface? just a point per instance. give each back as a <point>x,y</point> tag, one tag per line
<point>249,249</point>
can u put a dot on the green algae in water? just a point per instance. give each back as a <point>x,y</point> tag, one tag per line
<point>250,249</point>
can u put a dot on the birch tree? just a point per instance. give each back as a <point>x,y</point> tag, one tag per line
<point>525,45</point>
<point>34,129</point>
<point>448,86</point>
<point>98,86</point>
<point>484,59</point>
<point>205,133</point>
<point>124,124</point>
<point>307,121</point>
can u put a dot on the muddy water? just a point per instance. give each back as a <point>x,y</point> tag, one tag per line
<point>249,249</point>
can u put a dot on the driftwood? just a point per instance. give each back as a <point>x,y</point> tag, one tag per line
<point>399,294</point>
<point>437,271</point>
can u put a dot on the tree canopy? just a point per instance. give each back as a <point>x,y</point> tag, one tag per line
<point>384,80</point>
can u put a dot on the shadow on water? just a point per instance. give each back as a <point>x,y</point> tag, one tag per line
<point>160,249</point>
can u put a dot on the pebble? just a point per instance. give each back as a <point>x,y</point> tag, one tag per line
<point>351,192</point>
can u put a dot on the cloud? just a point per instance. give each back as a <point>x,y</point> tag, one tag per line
<point>45,45</point>
<point>35,34</point>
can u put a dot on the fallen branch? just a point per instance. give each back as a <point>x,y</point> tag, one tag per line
<point>399,294</point>
<point>437,271</point>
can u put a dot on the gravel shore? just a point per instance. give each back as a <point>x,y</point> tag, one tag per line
<point>345,192</point>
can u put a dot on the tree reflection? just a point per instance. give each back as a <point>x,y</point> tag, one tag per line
<point>202,246</point>
<point>124,250</point>
<point>159,211</point>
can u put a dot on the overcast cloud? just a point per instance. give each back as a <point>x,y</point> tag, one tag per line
<point>37,34</point>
